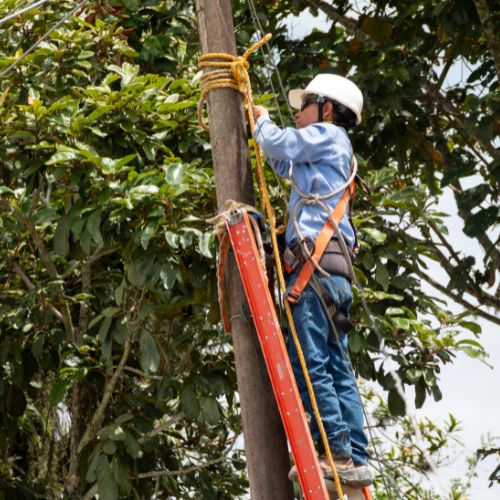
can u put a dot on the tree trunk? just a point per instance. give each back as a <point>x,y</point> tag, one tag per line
<point>265,442</point>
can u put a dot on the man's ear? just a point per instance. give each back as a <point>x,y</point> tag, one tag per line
<point>328,111</point>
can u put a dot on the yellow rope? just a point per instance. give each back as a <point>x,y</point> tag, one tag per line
<point>228,71</point>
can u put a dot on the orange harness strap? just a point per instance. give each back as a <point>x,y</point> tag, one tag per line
<point>320,244</point>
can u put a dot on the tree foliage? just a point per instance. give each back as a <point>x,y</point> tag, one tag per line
<point>115,375</point>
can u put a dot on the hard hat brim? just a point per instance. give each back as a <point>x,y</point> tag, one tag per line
<point>295,97</point>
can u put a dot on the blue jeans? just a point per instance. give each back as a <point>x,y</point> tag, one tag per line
<point>330,371</point>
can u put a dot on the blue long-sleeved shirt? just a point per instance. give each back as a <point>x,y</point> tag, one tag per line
<point>321,158</point>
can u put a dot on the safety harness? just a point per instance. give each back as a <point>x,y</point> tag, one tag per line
<point>321,243</point>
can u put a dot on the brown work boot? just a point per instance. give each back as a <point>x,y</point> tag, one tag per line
<point>355,476</point>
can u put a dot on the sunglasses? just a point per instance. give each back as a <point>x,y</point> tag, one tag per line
<point>312,99</point>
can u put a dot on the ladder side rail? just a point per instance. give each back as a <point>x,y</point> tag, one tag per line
<point>276,357</point>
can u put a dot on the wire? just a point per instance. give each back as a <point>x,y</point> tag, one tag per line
<point>42,39</point>
<point>12,15</point>
<point>22,2</point>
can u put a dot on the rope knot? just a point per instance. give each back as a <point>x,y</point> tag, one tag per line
<point>226,71</point>
<point>312,199</point>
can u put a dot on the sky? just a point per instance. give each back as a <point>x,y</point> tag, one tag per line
<point>470,388</point>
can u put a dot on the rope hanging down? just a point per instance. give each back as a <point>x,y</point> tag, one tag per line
<point>229,71</point>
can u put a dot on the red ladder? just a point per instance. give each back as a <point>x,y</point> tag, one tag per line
<point>276,357</point>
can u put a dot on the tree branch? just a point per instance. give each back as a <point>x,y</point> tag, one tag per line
<point>483,239</point>
<point>471,288</point>
<point>476,291</point>
<point>433,90</point>
<point>347,23</point>
<point>94,424</point>
<point>489,31</point>
<point>83,320</point>
<point>158,430</point>
<point>96,421</point>
<point>442,76</point>
<point>161,473</point>
<point>140,373</point>
<point>29,284</point>
<point>444,241</point>
<point>457,298</point>
<point>179,472</point>
<point>454,115</point>
<point>50,266</point>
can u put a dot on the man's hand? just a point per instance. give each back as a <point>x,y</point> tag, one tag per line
<point>259,111</point>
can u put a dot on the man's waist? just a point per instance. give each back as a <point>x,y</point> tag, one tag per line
<point>332,261</point>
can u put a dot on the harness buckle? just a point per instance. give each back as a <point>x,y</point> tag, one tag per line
<point>291,297</point>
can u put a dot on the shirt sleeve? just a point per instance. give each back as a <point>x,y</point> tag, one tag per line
<point>305,145</point>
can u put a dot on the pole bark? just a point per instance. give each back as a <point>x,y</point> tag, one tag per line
<point>265,441</point>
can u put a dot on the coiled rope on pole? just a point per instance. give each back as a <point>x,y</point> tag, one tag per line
<point>228,71</point>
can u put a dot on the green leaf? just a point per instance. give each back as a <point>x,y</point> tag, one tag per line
<point>120,332</point>
<point>471,342</point>
<point>413,374</point>
<point>473,197</point>
<point>106,340</point>
<point>109,448</point>
<point>64,157</point>
<point>481,221</point>
<point>189,402</point>
<point>205,244</point>
<point>355,341</point>
<point>132,446</point>
<point>144,190</point>
<point>436,393</point>
<point>401,282</point>
<point>97,113</point>
<point>45,215</point>
<point>420,394</point>
<point>149,357</point>
<point>147,233</point>
<point>470,325</point>
<point>128,72</point>
<point>5,189</point>
<point>37,347</point>
<point>122,475</point>
<point>119,291</point>
<point>93,225</point>
<point>382,276</point>
<point>473,352</point>
<point>172,239</point>
<point>397,405</point>
<point>61,237</point>
<point>375,234</point>
<point>139,270</point>
<point>108,487</point>
<point>91,477</point>
<point>210,409</point>
<point>124,417</point>
<point>168,275</point>
<point>174,173</point>
<point>429,377</point>
<point>58,391</point>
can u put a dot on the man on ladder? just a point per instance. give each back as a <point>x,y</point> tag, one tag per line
<point>317,157</point>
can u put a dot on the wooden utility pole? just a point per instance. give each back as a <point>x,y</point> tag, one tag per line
<point>265,441</point>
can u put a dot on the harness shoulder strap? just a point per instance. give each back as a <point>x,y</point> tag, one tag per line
<point>294,292</point>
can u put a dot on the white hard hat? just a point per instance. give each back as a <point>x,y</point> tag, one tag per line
<point>335,87</point>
